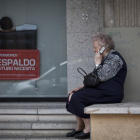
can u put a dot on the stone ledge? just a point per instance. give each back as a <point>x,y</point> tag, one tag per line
<point>114,108</point>
<point>28,104</point>
<point>32,125</point>
<point>34,111</point>
<point>34,133</point>
<point>37,117</point>
<point>39,138</point>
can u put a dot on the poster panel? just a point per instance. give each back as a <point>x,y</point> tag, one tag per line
<point>19,64</point>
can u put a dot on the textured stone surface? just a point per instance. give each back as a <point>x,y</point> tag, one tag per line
<point>39,138</point>
<point>53,111</point>
<point>34,133</point>
<point>79,33</point>
<point>115,127</point>
<point>54,125</point>
<point>37,125</point>
<point>57,117</point>
<point>116,108</point>
<point>32,104</point>
<point>34,111</point>
<point>18,111</point>
<point>46,117</point>
<point>15,125</point>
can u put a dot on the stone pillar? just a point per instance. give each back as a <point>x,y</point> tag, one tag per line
<point>84,19</point>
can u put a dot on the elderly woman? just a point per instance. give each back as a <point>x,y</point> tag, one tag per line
<point>111,69</point>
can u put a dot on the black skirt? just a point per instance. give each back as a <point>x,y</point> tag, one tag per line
<point>89,96</point>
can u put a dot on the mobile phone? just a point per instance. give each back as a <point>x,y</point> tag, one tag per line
<point>102,49</point>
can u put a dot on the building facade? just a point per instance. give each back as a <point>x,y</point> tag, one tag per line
<point>62,41</point>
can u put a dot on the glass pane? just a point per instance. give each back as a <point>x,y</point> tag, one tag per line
<point>38,25</point>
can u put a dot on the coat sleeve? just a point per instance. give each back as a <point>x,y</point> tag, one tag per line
<point>110,68</point>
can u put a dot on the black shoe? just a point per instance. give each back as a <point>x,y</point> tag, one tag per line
<point>71,134</point>
<point>82,135</point>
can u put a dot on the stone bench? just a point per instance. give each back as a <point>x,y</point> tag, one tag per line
<point>117,121</point>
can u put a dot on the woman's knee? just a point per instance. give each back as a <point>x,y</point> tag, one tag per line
<point>70,97</point>
<point>73,96</point>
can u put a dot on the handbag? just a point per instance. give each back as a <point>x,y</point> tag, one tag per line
<point>90,80</point>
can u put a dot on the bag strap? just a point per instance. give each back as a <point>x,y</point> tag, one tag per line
<point>95,71</point>
<point>82,70</point>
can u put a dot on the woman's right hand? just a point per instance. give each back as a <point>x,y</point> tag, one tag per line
<point>70,94</point>
<point>76,89</point>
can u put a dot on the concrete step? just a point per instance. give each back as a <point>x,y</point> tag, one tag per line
<point>31,125</point>
<point>24,110</point>
<point>33,108</point>
<point>35,133</point>
<point>32,104</point>
<point>33,111</point>
<point>35,121</point>
<point>37,117</point>
<point>39,138</point>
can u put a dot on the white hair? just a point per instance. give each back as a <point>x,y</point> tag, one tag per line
<point>104,39</point>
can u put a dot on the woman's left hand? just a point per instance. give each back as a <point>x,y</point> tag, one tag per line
<point>98,58</point>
